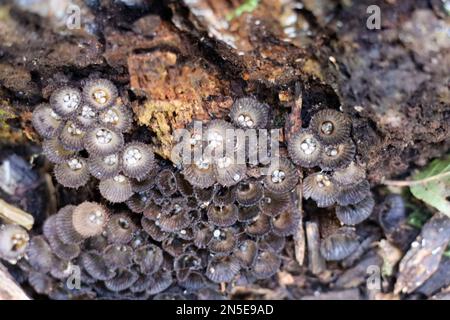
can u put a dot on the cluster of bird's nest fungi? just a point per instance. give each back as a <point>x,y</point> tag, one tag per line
<point>189,229</point>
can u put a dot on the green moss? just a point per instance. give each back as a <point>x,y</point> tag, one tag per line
<point>447,252</point>
<point>5,115</point>
<point>418,214</point>
<point>4,13</point>
<point>247,6</point>
<point>417,218</point>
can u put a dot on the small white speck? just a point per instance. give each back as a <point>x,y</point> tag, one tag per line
<point>436,251</point>
<point>358,108</point>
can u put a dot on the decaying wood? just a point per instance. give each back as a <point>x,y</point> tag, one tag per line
<point>316,262</point>
<point>294,122</point>
<point>439,279</point>
<point>11,214</point>
<point>425,255</point>
<point>9,290</point>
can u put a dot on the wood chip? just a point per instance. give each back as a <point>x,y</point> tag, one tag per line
<point>424,256</point>
<point>12,214</point>
<point>294,122</point>
<point>285,278</point>
<point>299,236</point>
<point>391,256</point>
<point>316,262</point>
<point>439,279</point>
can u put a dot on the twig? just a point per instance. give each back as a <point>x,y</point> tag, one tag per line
<point>299,236</point>
<point>15,215</point>
<point>316,262</point>
<point>403,183</point>
<point>294,121</point>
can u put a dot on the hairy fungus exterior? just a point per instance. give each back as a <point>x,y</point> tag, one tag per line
<point>89,219</point>
<point>222,269</point>
<point>86,116</point>
<point>72,173</point>
<point>200,174</point>
<point>65,101</point>
<point>104,167</point>
<point>118,117</point>
<point>339,245</point>
<point>249,192</point>
<point>100,93</point>
<point>55,151</point>
<point>337,156</point>
<point>222,216</point>
<point>71,136</point>
<point>353,214</point>
<point>116,189</point>
<point>321,188</point>
<point>330,126</point>
<point>281,177</point>
<point>137,160</point>
<point>64,227</point>
<point>248,113</point>
<point>103,141</point>
<point>46,121</point>
<point>266,265</point>
<point>351,174</point>
<point>305,149</point>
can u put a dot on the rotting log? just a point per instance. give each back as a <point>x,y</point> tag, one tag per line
<point>397,96</point>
